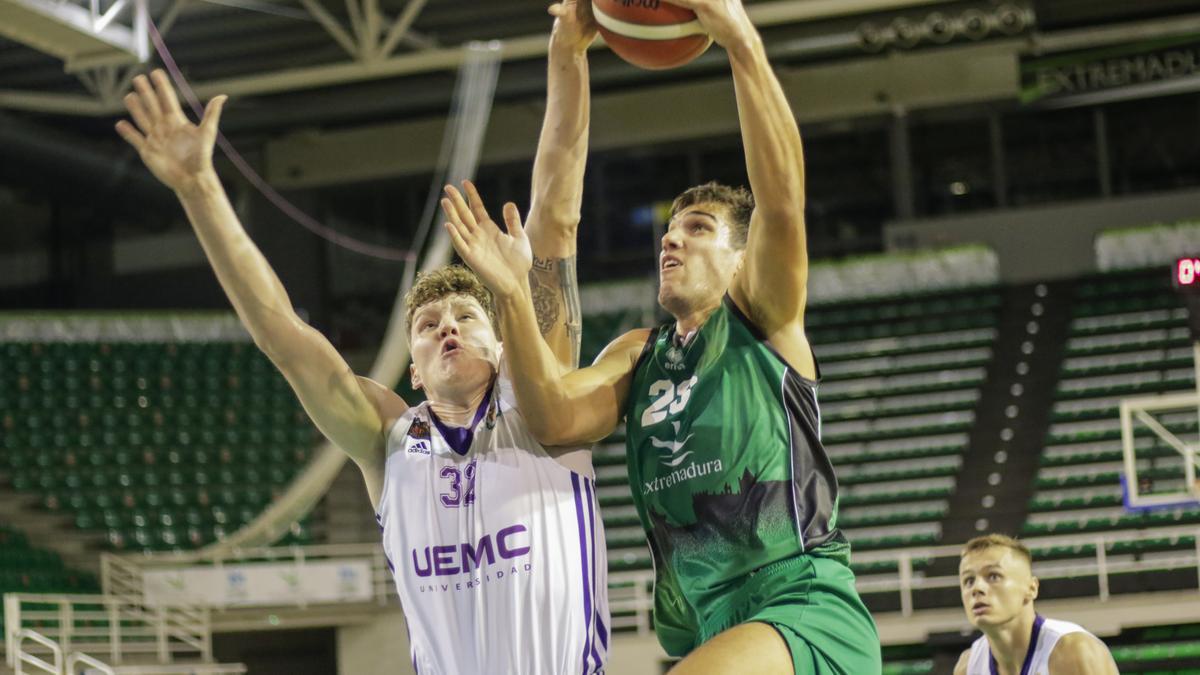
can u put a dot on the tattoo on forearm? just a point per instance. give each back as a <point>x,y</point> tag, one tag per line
<point>556,294</point>
<point>543,283</point>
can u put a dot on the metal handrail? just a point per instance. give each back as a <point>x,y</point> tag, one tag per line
<point>157,631</point>
<point>906,579</point>
<point>77,658</point>
<point>22,657</point>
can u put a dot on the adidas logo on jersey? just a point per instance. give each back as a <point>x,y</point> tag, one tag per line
<point>416,447</point>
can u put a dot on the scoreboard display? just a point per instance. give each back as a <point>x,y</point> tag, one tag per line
<point>1186,277</point>
<point>1187,274</point>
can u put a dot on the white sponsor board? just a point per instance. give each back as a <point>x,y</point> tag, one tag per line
<point>267,584</point>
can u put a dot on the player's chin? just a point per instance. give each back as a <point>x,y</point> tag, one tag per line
<point>468,369</point>
<point>670,298</point>
<point>981,620</point>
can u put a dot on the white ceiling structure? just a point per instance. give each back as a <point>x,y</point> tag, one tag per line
<point>77,57</point>
<point>311,79</point>
<point>104,45</point>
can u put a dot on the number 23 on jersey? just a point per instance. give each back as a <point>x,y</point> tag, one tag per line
<point>669,399</point>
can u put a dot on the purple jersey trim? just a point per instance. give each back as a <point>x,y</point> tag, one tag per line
<point>459,438</point>
<point>385,557</point>
<point>583,556</point>
<point>1038,620</point>
<point>587,487</point>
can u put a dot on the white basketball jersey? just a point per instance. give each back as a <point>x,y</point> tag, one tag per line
<point>498,554</point>
<point>1046,633</point>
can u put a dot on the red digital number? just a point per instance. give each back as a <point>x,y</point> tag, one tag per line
<point>1186,271</point>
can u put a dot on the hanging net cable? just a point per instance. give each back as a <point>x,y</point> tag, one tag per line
<point>271,194</point>
<point>459,158</point>
<point>462,142</point>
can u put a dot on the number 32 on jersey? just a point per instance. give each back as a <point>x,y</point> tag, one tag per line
<point>669,399</point>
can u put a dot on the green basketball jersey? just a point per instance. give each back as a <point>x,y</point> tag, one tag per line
<point>726,465</point>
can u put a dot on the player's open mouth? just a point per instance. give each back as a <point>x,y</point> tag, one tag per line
<point>979,608</point>
<point>670,262</point>
<point>451,346</point>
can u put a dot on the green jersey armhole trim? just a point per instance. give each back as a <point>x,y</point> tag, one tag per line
<point>648,347</point>
<point>762,337</point>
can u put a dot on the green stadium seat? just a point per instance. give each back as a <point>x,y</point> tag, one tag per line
<point>112,426</point>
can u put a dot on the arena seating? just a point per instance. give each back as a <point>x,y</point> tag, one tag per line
<point>27,569</point>
<point>901,378</point>
<point>1128,337</point>
<point>907,660</point>
<point>163,445</point>
<point>1161,650</point>
<point>158,445</point>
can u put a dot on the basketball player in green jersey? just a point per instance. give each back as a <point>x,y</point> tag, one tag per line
<point>729,477</point>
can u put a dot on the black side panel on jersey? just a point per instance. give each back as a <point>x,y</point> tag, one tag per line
<point>814,482</point>
<point>813,478</point>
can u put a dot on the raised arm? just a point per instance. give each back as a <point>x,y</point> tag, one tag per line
<point>351,412</point>
<point>581,406</point>
<point>772,287</point>
<point>558,168</point>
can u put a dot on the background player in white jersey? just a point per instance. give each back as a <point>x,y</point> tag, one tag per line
<point>551,617</point>
<point>998,590</point>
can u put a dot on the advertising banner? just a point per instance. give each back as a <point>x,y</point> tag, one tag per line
<point>265,584</point>
<point>1120,66</point>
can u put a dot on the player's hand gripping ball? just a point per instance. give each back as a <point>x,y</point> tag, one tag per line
<point>651,34</point>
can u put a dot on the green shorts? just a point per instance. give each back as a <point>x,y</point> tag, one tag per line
<point>812,603</point>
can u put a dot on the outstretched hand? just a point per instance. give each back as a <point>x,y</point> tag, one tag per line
<point>574,23</point>
<point>501,259</point>
<point>176,151</point>
<point>725,20</point>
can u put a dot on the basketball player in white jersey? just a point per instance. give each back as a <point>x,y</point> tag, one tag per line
<point>495,541</point>
<point>998,590</point>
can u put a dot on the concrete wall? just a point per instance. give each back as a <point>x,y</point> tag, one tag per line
<point>377,648</point>
<point>881,85</point>
<point>1044,242</point>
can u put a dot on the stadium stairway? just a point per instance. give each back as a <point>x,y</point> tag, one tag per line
<point>1128,336</point>
<point>51,531</point>
<point>995,480</point>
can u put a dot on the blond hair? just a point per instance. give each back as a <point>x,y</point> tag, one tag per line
<point>443,282</point>
<point>1002,540</point>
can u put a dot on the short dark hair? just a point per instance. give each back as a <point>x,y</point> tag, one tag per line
<point>738,203</point>
<point>990,540</point>
<point>448,280</point>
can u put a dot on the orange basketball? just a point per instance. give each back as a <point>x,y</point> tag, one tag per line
<point>651,33</point>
